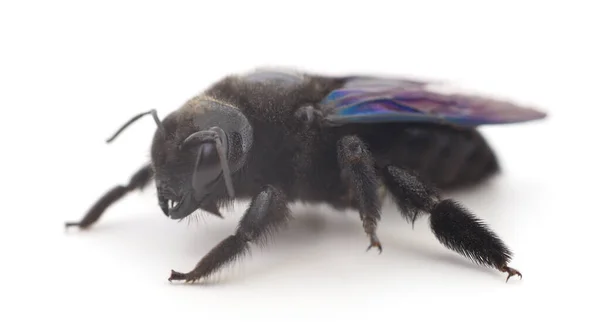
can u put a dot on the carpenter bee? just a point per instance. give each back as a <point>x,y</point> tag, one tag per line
<point>275,137</point>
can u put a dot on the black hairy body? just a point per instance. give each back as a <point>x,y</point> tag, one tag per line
<point>301,158</point>
<point>276,146</point>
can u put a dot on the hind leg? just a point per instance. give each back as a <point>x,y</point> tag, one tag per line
<point>453,225</point>
<point>358,171</point>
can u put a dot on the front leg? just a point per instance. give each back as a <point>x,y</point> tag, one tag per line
<point>358,171</point>
<point>138,181</point>
<point>267,212</point>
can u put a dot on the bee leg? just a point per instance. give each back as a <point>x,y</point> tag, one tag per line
<point>139,180</point>
<point>267,212</point>
<point>453,225</point>
<point>308,114</point>
<point>358,170</point>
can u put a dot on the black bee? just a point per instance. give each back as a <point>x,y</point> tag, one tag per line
<point>275,137</point>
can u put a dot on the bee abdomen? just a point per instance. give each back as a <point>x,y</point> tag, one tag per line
<point>447,157</point>
<point>467,159</point>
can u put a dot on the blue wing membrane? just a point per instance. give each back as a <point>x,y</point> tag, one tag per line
<point>382,100</point>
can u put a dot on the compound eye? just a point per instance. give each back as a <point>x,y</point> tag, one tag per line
<point>208,167</point>
<point>208,155</point>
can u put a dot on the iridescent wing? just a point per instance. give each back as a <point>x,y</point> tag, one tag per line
<point>379,100</point>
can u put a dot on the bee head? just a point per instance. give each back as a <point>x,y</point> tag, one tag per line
<point>195,154</point>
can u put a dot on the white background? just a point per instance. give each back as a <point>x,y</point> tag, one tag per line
<point>72,72</point>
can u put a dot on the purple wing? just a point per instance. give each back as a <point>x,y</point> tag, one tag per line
<point>378,100</point>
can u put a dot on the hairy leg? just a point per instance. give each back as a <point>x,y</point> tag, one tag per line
<point>453,225</point>
<point>138,181</point>
<point>359,172</point>
<point>267,212</point>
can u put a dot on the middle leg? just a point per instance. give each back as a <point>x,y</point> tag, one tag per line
<point>358,171</point>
